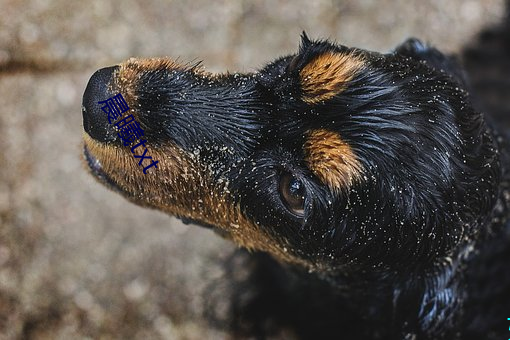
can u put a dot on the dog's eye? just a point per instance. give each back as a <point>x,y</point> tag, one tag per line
<point>292,193</point>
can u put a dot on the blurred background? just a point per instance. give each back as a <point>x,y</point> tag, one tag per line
<point>80,262</point>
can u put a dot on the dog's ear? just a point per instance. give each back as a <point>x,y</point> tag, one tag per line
<point>417,50</point>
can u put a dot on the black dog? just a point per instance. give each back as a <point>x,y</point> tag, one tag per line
<point>372,179</point>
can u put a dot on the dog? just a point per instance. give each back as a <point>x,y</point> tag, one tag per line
<point>370,189</point>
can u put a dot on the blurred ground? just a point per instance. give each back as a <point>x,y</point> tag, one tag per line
<point>77,261</point>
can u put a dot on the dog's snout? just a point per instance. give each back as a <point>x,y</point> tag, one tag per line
<point>95,120</point>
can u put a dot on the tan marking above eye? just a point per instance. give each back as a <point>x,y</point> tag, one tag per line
<point>331,159</point>
<point>328,75</point>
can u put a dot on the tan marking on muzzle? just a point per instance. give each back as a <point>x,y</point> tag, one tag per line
<point>182,186</point>
<point>126,79</point>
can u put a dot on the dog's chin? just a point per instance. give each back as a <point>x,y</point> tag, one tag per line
<point>97,171</point>
<point>186,220</point>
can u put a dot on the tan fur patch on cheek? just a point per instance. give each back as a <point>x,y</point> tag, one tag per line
<point>182,186</point>
<point>331,159</point>
<point>328,75</point>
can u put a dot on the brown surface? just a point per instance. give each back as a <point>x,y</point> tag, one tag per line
<point>78,261</point>
<point>332,160</point>
<point>328,75</point>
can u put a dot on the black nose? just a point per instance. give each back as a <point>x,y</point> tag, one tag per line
<point>95,115</point>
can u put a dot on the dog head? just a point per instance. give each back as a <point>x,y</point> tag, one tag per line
<point>330,158</point>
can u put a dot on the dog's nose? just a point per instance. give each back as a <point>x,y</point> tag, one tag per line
<point>95,118</point>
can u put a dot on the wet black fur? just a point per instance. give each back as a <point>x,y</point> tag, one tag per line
<point>418,248</point>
